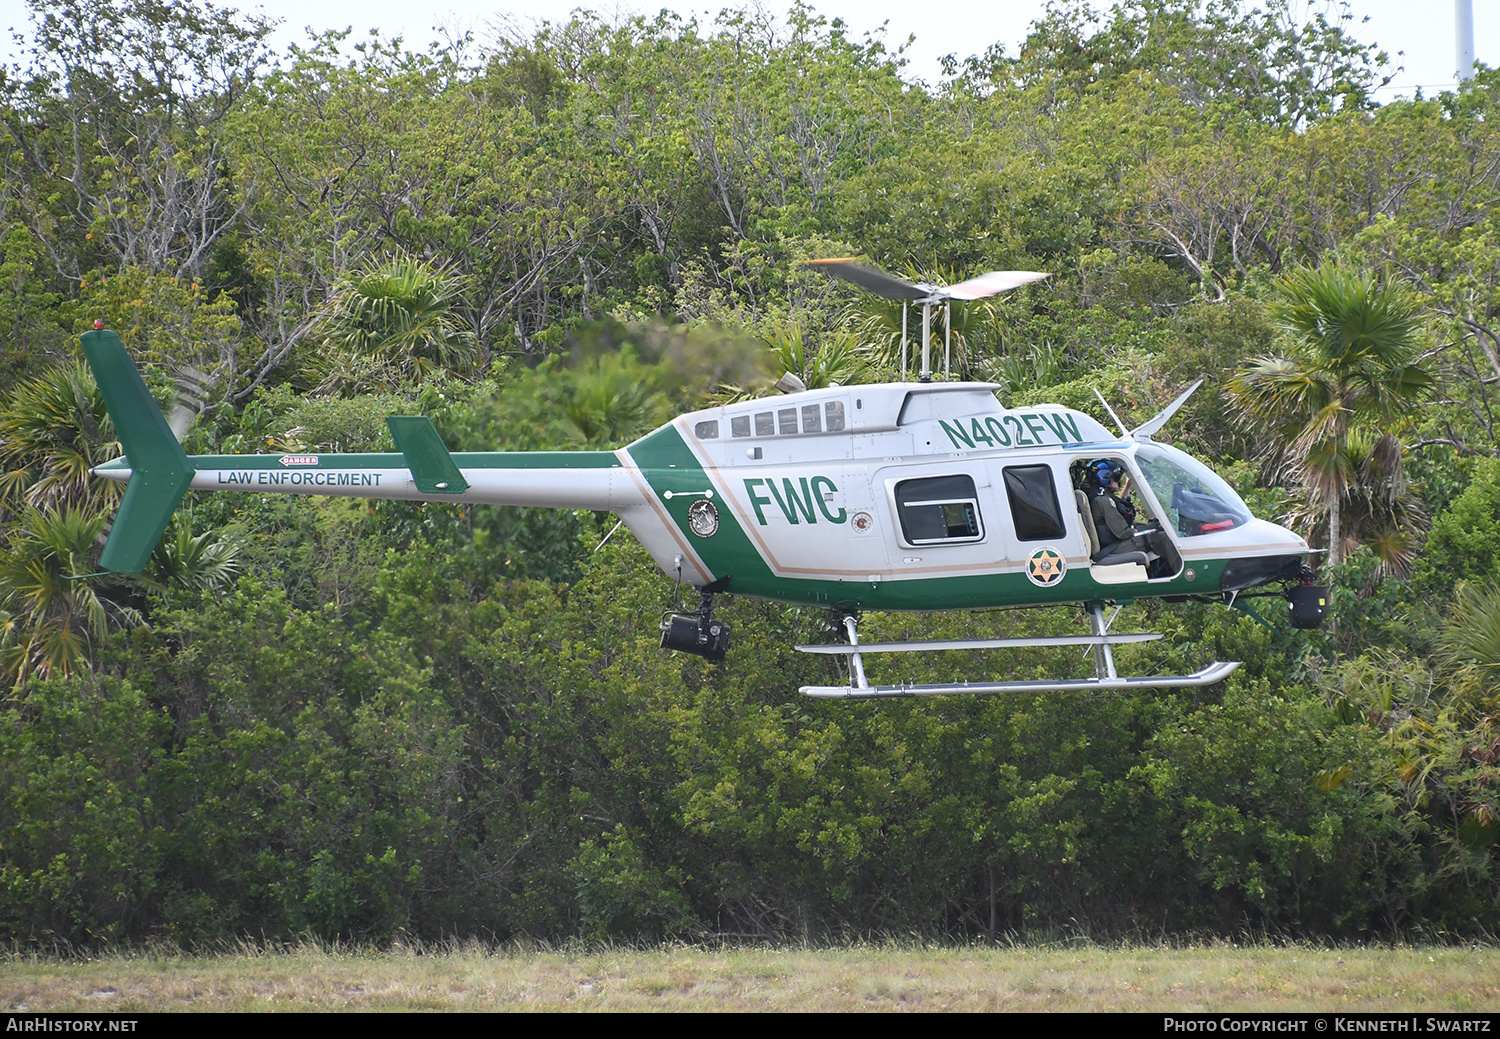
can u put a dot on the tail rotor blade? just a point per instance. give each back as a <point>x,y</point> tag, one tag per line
<point>180,420</point>
<point>192,393</point>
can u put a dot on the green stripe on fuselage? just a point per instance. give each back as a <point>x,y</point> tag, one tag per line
<point>464,460</point>
<point>667,464</point>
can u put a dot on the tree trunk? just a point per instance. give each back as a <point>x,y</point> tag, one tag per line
<point>1335,535</point>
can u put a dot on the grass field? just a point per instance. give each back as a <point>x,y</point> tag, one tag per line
<point>869,977</point>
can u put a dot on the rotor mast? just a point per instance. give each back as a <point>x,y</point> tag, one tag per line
<point>881,284</point>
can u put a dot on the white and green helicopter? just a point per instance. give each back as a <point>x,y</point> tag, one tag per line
<point>901,496</point>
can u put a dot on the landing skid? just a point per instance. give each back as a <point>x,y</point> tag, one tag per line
<point>1100,641</point>
<point>932,647</point>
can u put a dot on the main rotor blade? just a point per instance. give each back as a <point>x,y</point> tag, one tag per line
<point>991,284</point>
<point>869,279</point>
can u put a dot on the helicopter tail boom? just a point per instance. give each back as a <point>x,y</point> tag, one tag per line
<point>157,473</point>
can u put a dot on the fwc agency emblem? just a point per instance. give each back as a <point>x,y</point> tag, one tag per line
<point>703,518</point>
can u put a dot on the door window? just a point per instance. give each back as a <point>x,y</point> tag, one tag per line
<point>939,510</point>
<point>1033,502</point>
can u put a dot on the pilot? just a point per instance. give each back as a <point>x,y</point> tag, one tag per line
<point>1114,515</point>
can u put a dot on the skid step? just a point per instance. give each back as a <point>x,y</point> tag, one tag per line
<point>1215,672</point>
<point>1040,641</point>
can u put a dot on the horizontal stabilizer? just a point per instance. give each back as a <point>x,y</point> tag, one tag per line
<point>1041,641</point>
<point>159,470</point>
<point>1215,672</point>
<point>432,467</point>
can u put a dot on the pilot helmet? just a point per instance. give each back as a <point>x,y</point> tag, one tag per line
<point>1105,471</point>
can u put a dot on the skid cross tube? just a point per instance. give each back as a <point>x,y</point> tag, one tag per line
<point>1104,657</point>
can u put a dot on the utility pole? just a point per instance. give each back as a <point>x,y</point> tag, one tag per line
<point>1463,39</point>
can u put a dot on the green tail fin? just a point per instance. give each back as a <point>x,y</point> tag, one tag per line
<point>433,469</point>
<point>159,470</point>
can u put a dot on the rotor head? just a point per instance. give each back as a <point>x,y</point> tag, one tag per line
<point>888,287</point>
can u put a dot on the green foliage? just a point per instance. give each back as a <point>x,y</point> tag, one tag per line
<point>28,298</point>
<point>202,562</point>
<point>1471,640</point>
<point>1464,544</point>
<point>54,607</point>
<point>53,430</point>
<point>162,319</point>
<point>358,719</point>
<point>1335,400</point>
<point>83,846</point>
<point>613,401</point>
<point>148,86</point>
<point>1261,62</point>
<point>392,322</point>
<point>837,361</point>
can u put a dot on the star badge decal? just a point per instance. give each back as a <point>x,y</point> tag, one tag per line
<point>1046,567</point>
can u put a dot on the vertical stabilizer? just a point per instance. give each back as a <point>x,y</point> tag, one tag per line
<point>159,470</point>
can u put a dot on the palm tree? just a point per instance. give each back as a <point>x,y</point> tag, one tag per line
<point>52,607</point>
<point>1348,370</point>
<point>837,361</point>
<point>1378,508</point>
<point>391,322</point>
<point>207,562</point>
<point>1470,643</point>
<point>53,430</point>
<point>613,401</point>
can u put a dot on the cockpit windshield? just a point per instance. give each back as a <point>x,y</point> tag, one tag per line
<point>1197,500</point>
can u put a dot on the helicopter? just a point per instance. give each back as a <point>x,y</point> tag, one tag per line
<point>904,496</point>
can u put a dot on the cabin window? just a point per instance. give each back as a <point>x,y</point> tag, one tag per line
<point>938,510</point>
<point>813,418</point>
<point>1033,502</point>
<point>833,411</point>
<point>708,430</point>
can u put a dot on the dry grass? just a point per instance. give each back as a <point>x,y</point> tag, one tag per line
<point>1082,977</point>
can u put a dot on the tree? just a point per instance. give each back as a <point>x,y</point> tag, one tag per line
<point>837,361</point>
<point>613,400</point>
<point>114,130</point>
<point>1378,507</point>
<point>392,321</point>
<point>52,607</point>
<point>53,430</point>
<point>1261,62</point>
<point>1349,368</point>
